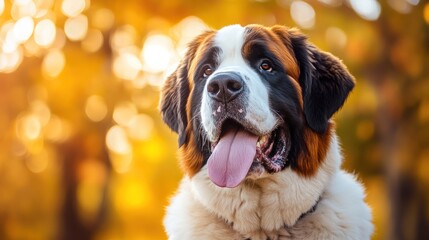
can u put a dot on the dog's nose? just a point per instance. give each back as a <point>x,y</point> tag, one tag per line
<point>225,87</point>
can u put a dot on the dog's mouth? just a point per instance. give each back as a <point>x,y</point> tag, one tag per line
<point>238,152</point>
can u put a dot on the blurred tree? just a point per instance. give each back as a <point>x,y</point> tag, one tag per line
<point>400,77</point>
<point>85,175</point>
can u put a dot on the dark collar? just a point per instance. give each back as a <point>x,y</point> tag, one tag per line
<point>311,210</point>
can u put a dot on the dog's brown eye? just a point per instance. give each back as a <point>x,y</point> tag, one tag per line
<point>207,72</point>
<point>266,66</point>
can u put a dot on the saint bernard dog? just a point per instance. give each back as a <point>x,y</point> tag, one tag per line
<point>252,107</point>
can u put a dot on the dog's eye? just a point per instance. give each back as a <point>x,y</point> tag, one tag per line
<point>207,71</point>
<point>266,66</point>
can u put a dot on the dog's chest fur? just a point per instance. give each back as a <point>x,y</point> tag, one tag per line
<point>271,208</point>
<point>267,206</point>
<point>264,209</point>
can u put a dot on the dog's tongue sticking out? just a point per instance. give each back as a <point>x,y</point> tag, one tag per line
<point>232,157</point>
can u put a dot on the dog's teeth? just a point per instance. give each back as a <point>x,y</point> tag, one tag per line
<point>258,144</point>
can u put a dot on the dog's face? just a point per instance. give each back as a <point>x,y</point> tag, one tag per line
<point>251,101</point>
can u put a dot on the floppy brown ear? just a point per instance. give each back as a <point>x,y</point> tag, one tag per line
<point>176,90</point>
<point>174,95</point>
<point>324,79</point>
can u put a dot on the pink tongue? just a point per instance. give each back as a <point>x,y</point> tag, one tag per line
<point>232,157</point>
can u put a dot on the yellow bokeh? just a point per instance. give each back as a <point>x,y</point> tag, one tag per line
<point>23,29</point>
<point>93,41</point>
<point>84,153</point>
<point>44,33</point>
<point>426,13</point>
<point>157,53</point>
<point>72,8</point>
<point>76,27</point>
<point>96,108</point>
<point>131,196</point>
<point>117,140</point>
<point>53,63</point>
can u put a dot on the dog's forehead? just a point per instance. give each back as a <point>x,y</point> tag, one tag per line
<point>230,40</point>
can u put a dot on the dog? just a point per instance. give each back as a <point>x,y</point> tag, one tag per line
<point>253,109</point>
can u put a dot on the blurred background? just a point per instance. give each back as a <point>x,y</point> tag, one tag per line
<point>84,154</point>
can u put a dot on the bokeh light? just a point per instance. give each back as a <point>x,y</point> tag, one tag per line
<point>119,145</point>
<point>9,42</point>
<point>41,110</point>
<point>103,19</point>
<point>28,127</point>
<point>22,9</point>
<point>127,66</point>
<point>157,53</point>
<point>53,63</point>
<point>9,62</point>
<point>44,33</point>
<point>23,29</point>
<point>72,8</point>
<point>124,112</point>
<point>188,29</point>
<point>57,130</point>
<point>303,14</point>
<point>1,7</point>
<point>95,108</point>
<point>117,140</point>
<point>332,3</point>
<point>336,38</point>
<point>93,41</point>
<point>140,127</point>
<point>32,49</point>
<point>426,13</point>
<point>367,9</point>
<point>76,28</point>
<point>124,36</point>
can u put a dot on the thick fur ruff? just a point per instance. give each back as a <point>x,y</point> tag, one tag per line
<point>271,208</point>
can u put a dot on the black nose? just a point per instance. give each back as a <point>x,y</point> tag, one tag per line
<point>225,87</point>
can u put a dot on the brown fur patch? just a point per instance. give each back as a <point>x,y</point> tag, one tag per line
<point>204,44</point>
<point>190,157</point>
<point>275,44</point>
<point>277,40</point>
<point>317,146</point>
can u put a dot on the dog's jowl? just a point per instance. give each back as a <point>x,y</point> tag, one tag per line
<point>252,107</point>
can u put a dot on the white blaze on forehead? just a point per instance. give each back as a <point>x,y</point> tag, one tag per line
<point>230,41</point>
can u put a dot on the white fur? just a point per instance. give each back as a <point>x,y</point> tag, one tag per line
<point>270,207</point>
<point>230,40</point>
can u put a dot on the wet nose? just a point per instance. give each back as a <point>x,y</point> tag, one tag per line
<point>225,87</point>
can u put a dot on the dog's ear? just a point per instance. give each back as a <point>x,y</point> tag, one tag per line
<point>324,79</point>
<point>174,95</point>
<point>326,85</point>
<point>175,92</point>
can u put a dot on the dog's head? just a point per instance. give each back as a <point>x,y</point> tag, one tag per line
<point>251,100</point>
